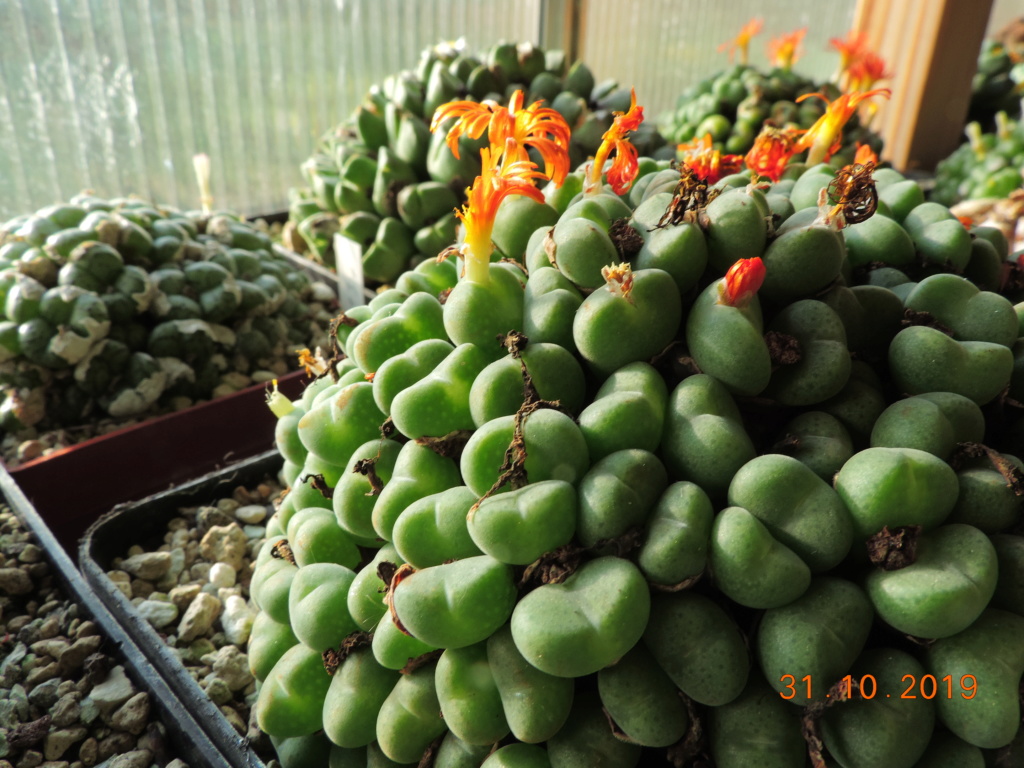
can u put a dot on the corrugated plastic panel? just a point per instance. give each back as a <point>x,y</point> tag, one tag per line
<point>117,97</point>
<point>661,46</point>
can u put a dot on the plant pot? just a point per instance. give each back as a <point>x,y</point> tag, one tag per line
<point>72,487</point>
<point>146,521</point>
<point>177,714</point>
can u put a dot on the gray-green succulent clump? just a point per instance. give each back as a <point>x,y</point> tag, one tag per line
<point>112,308</point>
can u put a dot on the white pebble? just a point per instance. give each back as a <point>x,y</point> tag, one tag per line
<point>222,575</point>
<point>254,531</point>
<point>236,620</point>
<point>251,513</point>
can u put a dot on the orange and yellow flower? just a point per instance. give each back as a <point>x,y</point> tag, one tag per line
<point>741,42</point>
<point>708,163</point>
<point>742,282</point>
<point>771,152</point>
<point>850,49</point>
<point>825,137</point>
<point>625,164</point>
<point>864,155</point>
<point>535,126</point>
<point>784,50</point>
<point>503,174</point>
<point>866,71</point>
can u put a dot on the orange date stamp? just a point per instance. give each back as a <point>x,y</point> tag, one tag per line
<point>914,687</point>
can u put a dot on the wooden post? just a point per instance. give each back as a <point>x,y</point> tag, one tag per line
<point>931,47</point>
<point>560,27</point>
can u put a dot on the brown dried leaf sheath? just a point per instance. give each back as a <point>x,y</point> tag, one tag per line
<point>892,549</point>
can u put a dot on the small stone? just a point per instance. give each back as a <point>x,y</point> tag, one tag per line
<point>49,628</point>
<point>232,666</point>
<point>251,514</point>
<point>76,653</point>
<point>234,719</point>
<point>66,686</point>
<point>85,629</point>
<point>132,715</point>
<point>30,449</point>
<point>227,505</point>
<point>183,595</point>
<point>199,648</point>
<point>180,538</point>
<point>177,763</point>
<point>52,647</point>
<point>199,617</point>
<point>67,710</point>
<point>17,695</point>
<point>16,624</point>
<point>158,613</point>
<point>15,581</point>
<point>222,575</point>
<point>31,554</point>
<point>42,674</point>
<point>58,742</point>
<point>139,758</point>
<point>123,581</point>
<point>48,607</point>
<point>30,759</point>
<point>44,695</point>
<point>210,517</point>
<point>147,565</point>
<point>254,532</point>
<point>116,743</point>
<point>218,690</point>
<point>224,544</point>
<point>95,669</point>
<point>112,692</point>
<point>141,589</point>
<point>88,752</point>
<point>30,633</point>
<point>8,714</point>
<point>154,739</point>
<point>236,620</point>
<point>177,566</point>
<point>10,667</point>
<point>200,572</point>
<point>88,711</point>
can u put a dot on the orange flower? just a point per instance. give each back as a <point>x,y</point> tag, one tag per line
<point>625,166</point>
<point>535,126</point>
<point>708,163</point>
<point>865,154</point>
<point>503,174</point>
<point>771,152</point>
<point>866,71</point>
<point>849,49</point>
<point>783,49</point>
<point>742,282</point>
<point>741,42</point>
<point>825,137</point>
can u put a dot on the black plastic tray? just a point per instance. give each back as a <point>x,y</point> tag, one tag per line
<point>146,520</point>
<point>191,742</point>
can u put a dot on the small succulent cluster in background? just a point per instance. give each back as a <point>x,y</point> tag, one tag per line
<point>115,308</point>
<point>384,181</point>
<point>732,105</point>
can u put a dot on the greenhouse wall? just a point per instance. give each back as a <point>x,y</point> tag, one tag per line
<point>117,97</point>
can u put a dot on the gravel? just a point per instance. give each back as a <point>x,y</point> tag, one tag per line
<point>63,700</point>
<point>199,604</point>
